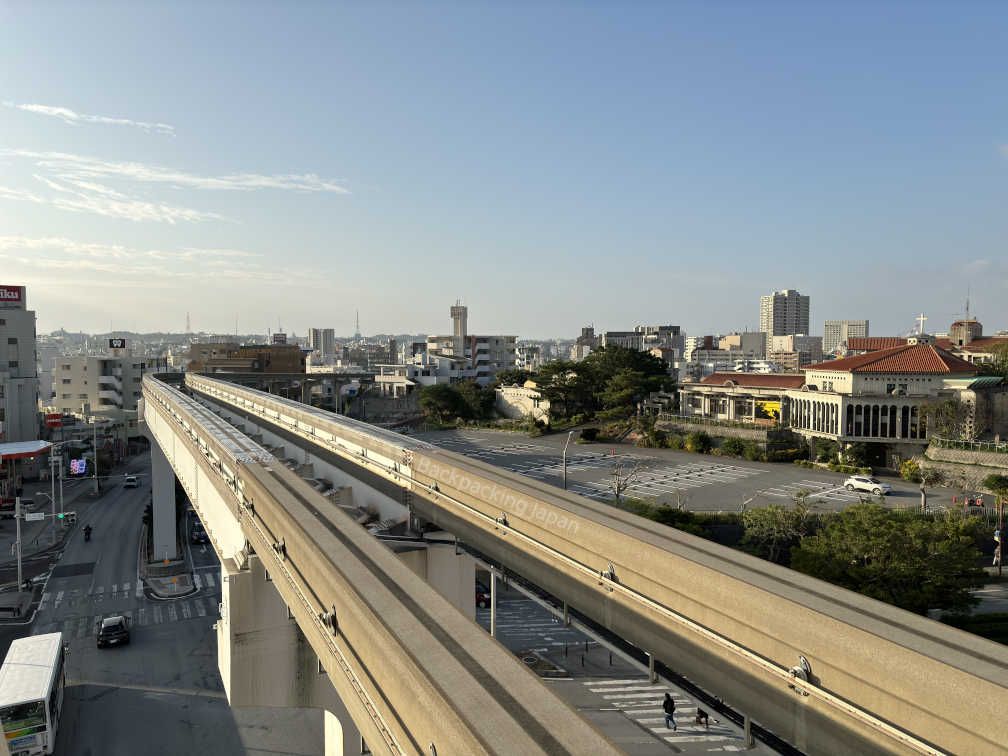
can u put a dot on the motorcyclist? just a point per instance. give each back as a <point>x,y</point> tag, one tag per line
<point>87,532</point>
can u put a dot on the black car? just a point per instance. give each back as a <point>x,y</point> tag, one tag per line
<point>197,534</point>
<point>113,631</point>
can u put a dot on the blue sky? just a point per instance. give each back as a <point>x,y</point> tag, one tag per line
<point>552,164</point>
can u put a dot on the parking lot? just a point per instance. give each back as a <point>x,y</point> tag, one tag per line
<point>694,481</point>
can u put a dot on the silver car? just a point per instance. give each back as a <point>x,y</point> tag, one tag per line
<point>864,483</point>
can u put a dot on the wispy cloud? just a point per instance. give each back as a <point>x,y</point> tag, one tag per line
<point>113,205</point>
<point>81,167</point>
<point>187,265</point>
<point>73,117</point>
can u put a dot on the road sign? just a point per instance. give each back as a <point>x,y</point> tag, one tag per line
<point>34,516</point>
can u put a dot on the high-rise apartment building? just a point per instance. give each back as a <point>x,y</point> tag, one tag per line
<point>836,332</point>
<point>784,313</point>
<point>19,416</point>
<point>323,341</point>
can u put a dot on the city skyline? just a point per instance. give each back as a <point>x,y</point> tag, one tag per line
<point>557,166</point>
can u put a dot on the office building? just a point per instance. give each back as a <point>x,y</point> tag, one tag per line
<point>783,313</point>
<point>836,333</point>
<point>795,351</point>
<point>19,392</point>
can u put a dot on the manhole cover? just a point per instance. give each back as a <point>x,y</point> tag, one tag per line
<point>530,659</point>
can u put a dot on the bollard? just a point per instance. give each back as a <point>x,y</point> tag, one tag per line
<point>565,649</point>
<point>610,658</point>
<point>582,660</point>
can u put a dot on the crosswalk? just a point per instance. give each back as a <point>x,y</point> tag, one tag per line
<point>115,591</point>
<point>642,703</point>
<point>529,626</point>
<point>83,626</point>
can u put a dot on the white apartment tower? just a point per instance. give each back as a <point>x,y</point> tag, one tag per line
<point>460,322</point>
<point>19,417</point>
<point>836,332</point>
<point>784,313</point>
<point>323,341</point>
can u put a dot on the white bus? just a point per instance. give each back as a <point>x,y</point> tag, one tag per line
<point>31,693</point>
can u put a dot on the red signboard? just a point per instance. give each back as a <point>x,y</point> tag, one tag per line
<point>54,421</point>
<point>10,294</point>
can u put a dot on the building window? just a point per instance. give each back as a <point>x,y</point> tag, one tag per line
<point>66,380</point>
<point>64,396</point>
<point>65,367</point>
<point>12,363</point>
<point>12,340</point>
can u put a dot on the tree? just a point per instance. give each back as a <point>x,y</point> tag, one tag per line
<point>624,474</point>
<point>479,402</point>
<point>442,402</point>
<point>999,365</point>
<point>733,446</point>
<point>772,531</point>
<point>512,377</point>
<point>916,563</point>
<point>946,418</point>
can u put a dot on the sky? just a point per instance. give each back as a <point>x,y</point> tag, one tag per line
<point>551,164</point>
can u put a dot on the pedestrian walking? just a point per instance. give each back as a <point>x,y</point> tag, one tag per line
<point>669,707</point>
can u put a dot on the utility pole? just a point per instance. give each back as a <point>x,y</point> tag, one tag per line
<point>17,543</point>
<point>52,495</point>
<point>94,424</point>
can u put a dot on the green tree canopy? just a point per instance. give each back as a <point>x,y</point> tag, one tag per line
<point>479,401</point>
<point>442,402</point>
<point>917,563</point>
<point>512,377</point>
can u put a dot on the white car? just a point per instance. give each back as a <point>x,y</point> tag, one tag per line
<point>131,482</point>
<point>863,483</point>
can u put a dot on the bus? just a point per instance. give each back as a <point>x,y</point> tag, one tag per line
<point>31,693</point>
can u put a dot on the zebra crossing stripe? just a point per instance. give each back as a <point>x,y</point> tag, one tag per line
<point>158,619</point>
<point>196,581</point>
<point>139,589</point>
<point>186,611</point>
<point>210,580</point>
<point>200,609</point>
<point>172,613</point>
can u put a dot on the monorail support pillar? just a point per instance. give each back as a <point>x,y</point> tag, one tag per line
<point>163,493</point>
<point>265,660</point>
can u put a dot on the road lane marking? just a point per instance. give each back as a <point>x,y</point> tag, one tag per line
<point>210,581</point>
<point>196,581</point>
<point>186,611</point>
<point>172,613</point>
<point>59,598</point>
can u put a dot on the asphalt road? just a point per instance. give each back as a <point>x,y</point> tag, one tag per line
<point>161,693</point>
<point>605,689</point>
<point>698,482</point>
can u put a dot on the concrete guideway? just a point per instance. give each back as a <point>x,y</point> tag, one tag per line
<point>878,674</point>
<point>414,674</point>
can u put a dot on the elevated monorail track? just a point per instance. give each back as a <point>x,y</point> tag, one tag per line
<point>416,676</point>
<point>826,669</point>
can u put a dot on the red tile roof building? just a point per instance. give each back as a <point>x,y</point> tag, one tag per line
<point>908,358</point>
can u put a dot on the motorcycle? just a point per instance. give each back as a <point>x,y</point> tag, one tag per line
<point>87,533</point>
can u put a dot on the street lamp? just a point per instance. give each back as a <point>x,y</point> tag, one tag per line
<point>569,435</point>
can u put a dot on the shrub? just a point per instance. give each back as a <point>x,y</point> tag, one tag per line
<point>752,451</point>
<point>698,442</point>
<point>675,441</point>
<point>589,434</point>
<point>734,446</point>
<point>910,470</point>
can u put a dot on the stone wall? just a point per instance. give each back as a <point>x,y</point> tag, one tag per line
<point>966,457</point>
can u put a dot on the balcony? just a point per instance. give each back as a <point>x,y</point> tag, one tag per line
<point>111,381</point>
<point>110,397</point>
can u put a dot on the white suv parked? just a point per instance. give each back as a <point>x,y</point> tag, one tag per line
<point>862,483</point>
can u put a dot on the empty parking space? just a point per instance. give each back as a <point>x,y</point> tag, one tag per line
<point>817,490</point>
